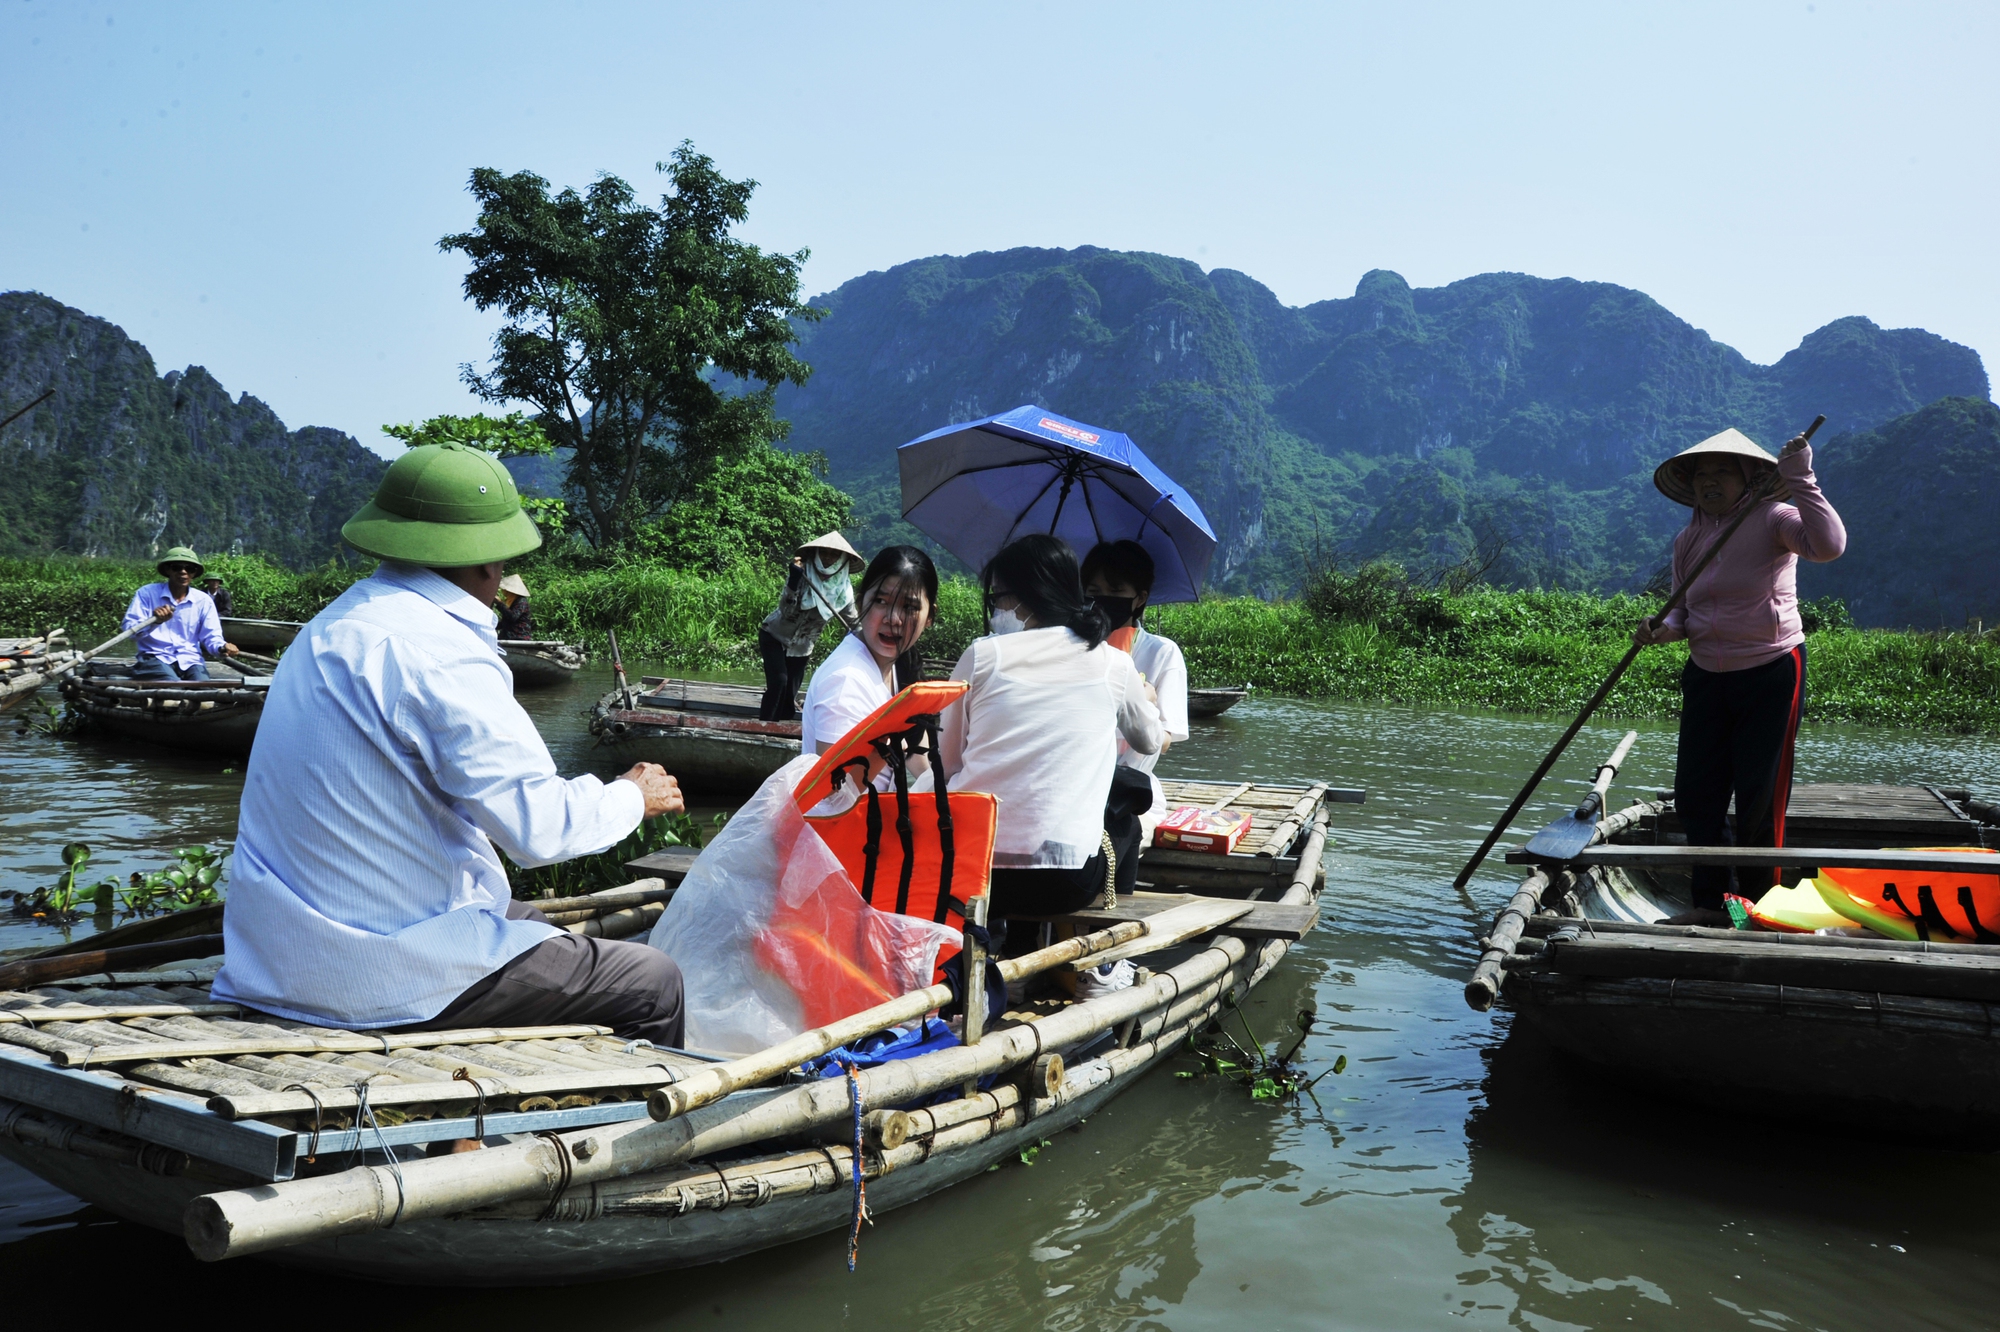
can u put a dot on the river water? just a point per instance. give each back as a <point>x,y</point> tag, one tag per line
<point>1449,1177</point>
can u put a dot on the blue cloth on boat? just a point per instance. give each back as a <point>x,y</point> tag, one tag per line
<point>193,629</point>
<point>391,759</point>
<point>927,1037</point>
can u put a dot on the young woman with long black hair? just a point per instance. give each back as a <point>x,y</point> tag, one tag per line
<point>898,601</point>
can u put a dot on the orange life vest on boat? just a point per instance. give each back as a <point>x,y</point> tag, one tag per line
<point>1917,904</point>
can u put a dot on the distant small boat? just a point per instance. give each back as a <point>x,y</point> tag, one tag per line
<point>1214,702</point>
<point>538,663</point>
<point>260,635</point>
<point>706,734</point>
<point>217,716</point>
<point>27,663</point>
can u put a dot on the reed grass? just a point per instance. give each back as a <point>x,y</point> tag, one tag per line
<point>1530,652</point>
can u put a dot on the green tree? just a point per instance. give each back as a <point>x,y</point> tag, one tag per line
<point>756,509</point>
<point>622,320</point>
<point>509,436</point>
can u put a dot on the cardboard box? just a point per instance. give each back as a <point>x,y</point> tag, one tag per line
<point>1192,828</point>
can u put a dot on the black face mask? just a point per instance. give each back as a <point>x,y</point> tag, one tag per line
<point>1116,609</point>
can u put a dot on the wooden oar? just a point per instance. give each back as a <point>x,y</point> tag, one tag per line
<point>1578,828</point>
<point>1611,680</point>
<point>105,646</point>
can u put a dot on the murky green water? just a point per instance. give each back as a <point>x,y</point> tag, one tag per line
<point>1448,1178</point>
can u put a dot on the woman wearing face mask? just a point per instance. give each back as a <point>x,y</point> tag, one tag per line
<point>898,601</point>
<point>1745,681</point>
<point>1118,577</point>
<point>1039,726</point>
<point>817,589</point>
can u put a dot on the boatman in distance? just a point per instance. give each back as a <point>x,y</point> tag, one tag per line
<point>391,761</point>
<point>225,605</point>
<point>184,624</point>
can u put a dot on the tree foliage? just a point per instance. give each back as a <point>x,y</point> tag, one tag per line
<point>622,322</point>
<point>758,508</point>
<point>509,436</point>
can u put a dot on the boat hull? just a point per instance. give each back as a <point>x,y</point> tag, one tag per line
<point>706,751</point>
<point>1213,702</point>
<point>260,635</point>
<point>535,670</point>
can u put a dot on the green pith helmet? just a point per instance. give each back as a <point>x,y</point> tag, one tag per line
<point>178,555</point>
<point>445,506</point>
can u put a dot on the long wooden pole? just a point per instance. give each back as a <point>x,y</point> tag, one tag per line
<point>1610,683</point>
<point>103,647</point>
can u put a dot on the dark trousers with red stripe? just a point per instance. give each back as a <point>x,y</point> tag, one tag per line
<point>1737,733</point>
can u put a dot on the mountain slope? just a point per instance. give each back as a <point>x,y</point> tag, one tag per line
<point>1503,410</point>
<point>125,462</point>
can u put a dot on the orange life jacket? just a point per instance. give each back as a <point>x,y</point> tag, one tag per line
<point>1917,904</point>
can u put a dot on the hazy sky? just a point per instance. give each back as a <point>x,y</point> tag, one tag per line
<point>260,188</point>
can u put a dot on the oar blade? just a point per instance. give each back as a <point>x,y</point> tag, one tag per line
<point>1562,839</point>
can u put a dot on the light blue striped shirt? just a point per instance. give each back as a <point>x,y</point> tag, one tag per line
<point>365,891</point>
<point>194,627</point>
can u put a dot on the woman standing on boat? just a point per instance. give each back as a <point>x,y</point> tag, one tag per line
<point>898,602</point>
<point>1745,681</point>
<point>816,590</point>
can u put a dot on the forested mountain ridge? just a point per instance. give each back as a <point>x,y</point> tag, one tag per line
<point>125,462</point>
<point>1417,423</point>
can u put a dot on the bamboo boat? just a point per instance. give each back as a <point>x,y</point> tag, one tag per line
<point>214,716</point>
<point>26,664</point>
<point>1214,702</point>
<point>247,1135</point>
<point>1843,1027</point>
<point>537,664</point>
<point>706,734</point>
<point>260,635</point>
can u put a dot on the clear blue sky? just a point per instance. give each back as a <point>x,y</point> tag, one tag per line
<point>259,188</point>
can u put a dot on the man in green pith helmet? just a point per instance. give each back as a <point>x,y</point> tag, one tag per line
<point>177,622</point>
<point>391,767</point>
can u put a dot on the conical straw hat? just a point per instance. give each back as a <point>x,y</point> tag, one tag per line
<point>512,583</point>
<point>834,541</point>
<point>1675,476</point>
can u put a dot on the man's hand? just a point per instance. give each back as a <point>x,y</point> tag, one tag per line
<point>230,649</point>
<point>163,613</point>
<point>662,792</point>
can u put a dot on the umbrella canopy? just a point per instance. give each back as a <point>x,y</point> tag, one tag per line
<point>976,486</point>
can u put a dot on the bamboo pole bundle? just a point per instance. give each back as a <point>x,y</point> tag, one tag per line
<point>85,1012</point>
<point>332,1042</point>
<point>1287,829</point>
<point>621,924</point>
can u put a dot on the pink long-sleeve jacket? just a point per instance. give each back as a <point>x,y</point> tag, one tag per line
<point>1744,609</point>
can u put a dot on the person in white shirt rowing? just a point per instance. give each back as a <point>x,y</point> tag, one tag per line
<point>1118,577</point>
<point>391,762</point>
<point>1039,728</point>
<point>898,602</point>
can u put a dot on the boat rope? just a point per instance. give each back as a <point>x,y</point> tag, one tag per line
<point>365,1114</point>
<point>563,1172</point>
<point>464,1075</point>
<point>860,1185</point>
<point>319,1119</point>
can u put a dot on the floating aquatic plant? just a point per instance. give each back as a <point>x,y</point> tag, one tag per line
<point>1270,1076</point>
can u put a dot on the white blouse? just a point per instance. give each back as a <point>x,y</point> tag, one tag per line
<point>1160,661</point>
<point>844,690</point>
<point>1039,729</point>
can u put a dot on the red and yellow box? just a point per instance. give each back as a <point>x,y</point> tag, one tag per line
<point>1191,828</point>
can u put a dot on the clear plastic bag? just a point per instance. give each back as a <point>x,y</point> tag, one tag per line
<point>773,939</point>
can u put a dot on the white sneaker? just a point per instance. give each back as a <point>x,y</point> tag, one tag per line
<point>1106,979</point>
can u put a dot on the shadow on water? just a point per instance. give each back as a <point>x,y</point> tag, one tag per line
<point>1453,1174</point>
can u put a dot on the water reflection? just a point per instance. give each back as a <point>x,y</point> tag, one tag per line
<point>1447,1174</point>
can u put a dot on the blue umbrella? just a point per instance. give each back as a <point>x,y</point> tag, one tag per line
<point>976,486</point>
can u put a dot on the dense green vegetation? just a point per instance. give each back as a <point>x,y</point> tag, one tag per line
<point>1366,635</point>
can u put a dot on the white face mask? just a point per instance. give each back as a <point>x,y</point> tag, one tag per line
<point>1006,622</point>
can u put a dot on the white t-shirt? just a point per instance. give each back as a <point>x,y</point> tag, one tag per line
<point>1160,661</point>
<point>844,690</point>
<point>1039,729</point>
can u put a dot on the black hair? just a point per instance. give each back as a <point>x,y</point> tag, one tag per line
<point>1041,570</point>
<point>1120,561</point>
<point>904,563</point>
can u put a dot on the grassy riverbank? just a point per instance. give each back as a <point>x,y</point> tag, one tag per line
<point>1511,651</point>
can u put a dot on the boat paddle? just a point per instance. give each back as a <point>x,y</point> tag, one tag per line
<point>1577,829</point>
<point>103,647</point>
<point>1611,680</point>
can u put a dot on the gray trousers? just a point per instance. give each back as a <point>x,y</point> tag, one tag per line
<point>633,988</point>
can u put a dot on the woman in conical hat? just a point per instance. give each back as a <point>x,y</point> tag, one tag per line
<point>517,621</point>
<point>1745,681</point>
<point>818,587</point>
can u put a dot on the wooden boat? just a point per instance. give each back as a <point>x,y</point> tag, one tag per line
<point>706,734</point>
<point>260,635</point>
<point>537,664</point>
<point>214,716</point>
<point>26,664</point>
<point>1848,1027</point>
<point>603,1159</point>
<point>1214,702</point>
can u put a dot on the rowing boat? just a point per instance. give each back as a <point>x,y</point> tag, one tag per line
<point>26,664</point>
<point>707,734</point>
<point>214,716</point>
<point>1214,702</point>
<point>134,1092</point>
<point>260,635</point>
<point>1840,1026</point>
<point>537,664</point>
